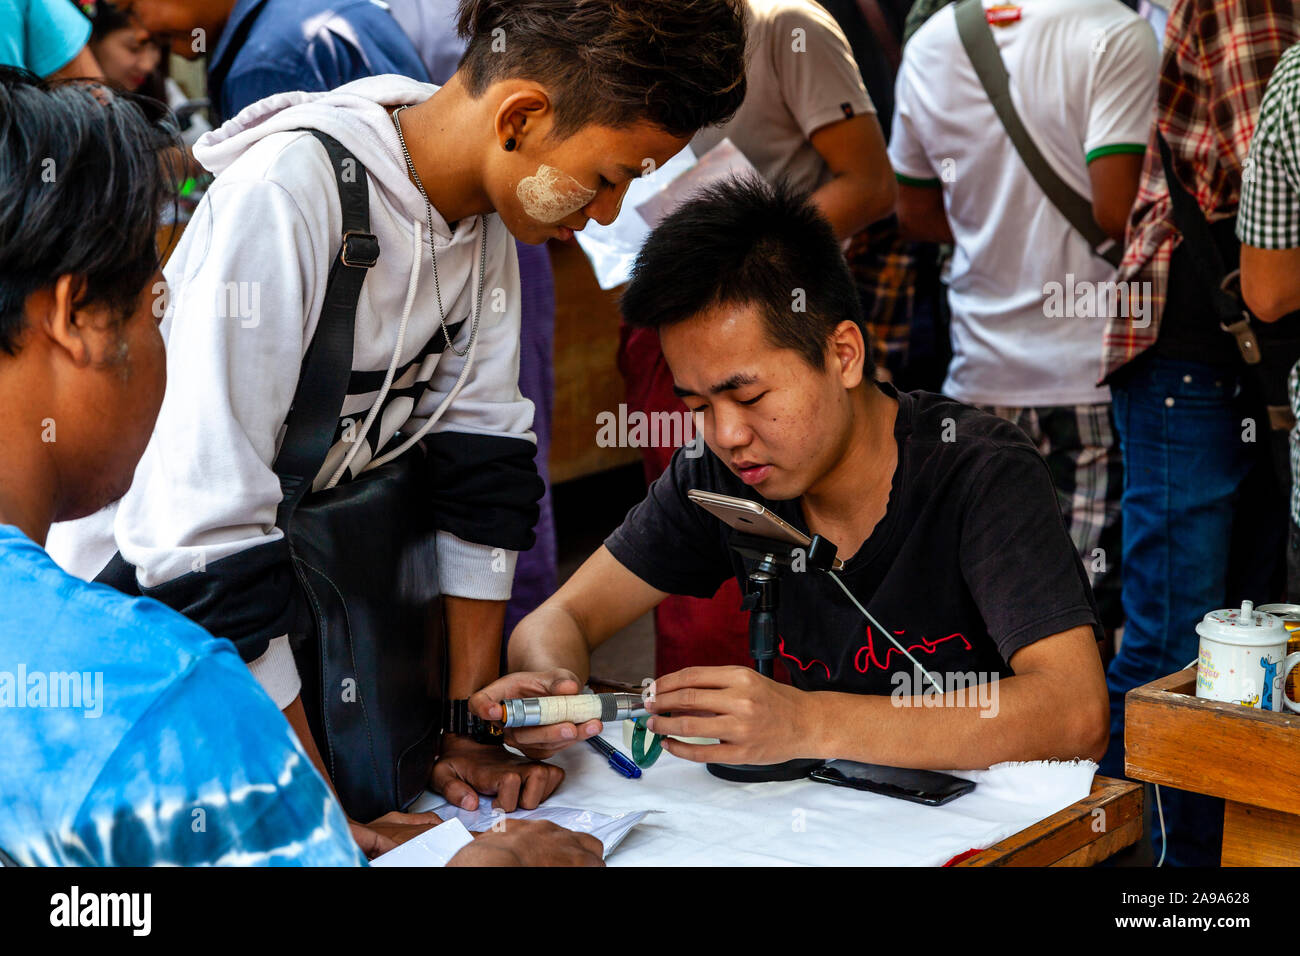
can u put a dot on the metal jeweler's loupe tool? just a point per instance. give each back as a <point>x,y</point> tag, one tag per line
<point>571,709</point>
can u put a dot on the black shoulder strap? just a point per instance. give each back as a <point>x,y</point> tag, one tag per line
<point>323,379</point>
<point>1201,247</point>
<point>977,37</point>
<point>323,382</point>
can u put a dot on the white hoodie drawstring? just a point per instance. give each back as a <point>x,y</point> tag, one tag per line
<point>460,382</point>
<point>411,287</point>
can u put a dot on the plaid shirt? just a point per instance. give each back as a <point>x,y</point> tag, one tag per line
<point>1270,189</point>
<point>1270,200</point>
<point>1218,55</point>
<point>884,266</point>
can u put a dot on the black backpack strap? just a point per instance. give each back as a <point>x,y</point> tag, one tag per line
<point>1203,251</point>
<point>323,379</point>
<point>1207,261</point>
<point>323,382</point>
<point>977,38</point>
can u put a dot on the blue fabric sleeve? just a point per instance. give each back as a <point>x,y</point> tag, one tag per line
<point>55,32</point>
<point>212,773</point>
<point>247,86</point>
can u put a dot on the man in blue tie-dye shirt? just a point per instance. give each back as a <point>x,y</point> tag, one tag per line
<point>128,734</point>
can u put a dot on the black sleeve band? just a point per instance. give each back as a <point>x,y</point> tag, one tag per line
<point>248,598</point>
<point>485,488</point>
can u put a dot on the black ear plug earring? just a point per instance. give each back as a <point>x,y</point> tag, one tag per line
<point>510,145</point>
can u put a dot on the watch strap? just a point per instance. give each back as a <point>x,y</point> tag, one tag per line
<point>465,724</point>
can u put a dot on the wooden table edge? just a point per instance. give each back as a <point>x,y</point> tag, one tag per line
<point>1104,822</point>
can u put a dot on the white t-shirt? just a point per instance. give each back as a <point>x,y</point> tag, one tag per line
<point>1083,79</point>
<point>800,77</point>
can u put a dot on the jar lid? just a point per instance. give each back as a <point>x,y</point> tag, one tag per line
<point>1242,625</point>
<point>1289,613</point>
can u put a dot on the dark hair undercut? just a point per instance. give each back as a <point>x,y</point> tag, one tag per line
<point>745,242</point>
<point>678,65</point>
<point>82,183</point>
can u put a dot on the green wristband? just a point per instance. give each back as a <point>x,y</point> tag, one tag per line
<point>641,756</point>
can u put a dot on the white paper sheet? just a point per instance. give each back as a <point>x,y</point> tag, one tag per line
<point>608,828</point>
<point>723,161</point>
<point>612,249</point>
<point>433,847</point>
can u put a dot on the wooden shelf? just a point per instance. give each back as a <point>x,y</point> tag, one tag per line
<point>1177,739</point>
<point>1247,756</point>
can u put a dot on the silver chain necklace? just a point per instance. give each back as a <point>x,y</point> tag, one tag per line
<point>482,265</point>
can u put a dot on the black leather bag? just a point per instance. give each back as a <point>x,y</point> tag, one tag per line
<point>370,644</point>
<point>372,655</point>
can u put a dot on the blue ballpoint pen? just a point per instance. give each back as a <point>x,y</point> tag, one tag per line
<point>617,760</point>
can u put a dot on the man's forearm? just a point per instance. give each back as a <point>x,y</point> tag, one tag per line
<point>922,216</point>
<point>851,204</point>
<point>474,631</point>
<point>1017,718</point>
<point>297,717</point>
<point>928,229</point>
<point>1269,282</point>
<point>550,638</point>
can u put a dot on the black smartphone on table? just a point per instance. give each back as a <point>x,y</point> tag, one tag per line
<point>919,786</point>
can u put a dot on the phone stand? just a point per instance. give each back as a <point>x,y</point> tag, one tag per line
<point>761,600</point>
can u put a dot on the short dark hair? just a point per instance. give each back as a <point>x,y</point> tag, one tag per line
<point>82,183</point>
<point>105,17</point>
<point>678,65</point>
<point>745,242</point>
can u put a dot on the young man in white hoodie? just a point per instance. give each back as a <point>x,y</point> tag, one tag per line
<point>184,760</point>
<point>555,109</point>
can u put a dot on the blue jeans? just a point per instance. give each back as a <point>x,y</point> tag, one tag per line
<point>1185,462</point>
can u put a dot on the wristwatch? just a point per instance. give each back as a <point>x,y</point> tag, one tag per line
<point>465,724</point>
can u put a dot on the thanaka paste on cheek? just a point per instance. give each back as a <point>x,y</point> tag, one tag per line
<point>550,195</point>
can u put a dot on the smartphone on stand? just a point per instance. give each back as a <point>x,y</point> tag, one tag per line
<point>749,517</point>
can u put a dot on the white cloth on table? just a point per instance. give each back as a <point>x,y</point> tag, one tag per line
<point>701,820</point>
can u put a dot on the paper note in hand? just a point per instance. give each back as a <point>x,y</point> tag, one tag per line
<point>609,830</point>
<point>723,161</point>
<point>612,249</point>
<point>433,847</point>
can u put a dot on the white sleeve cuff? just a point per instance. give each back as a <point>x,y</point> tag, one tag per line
<point>474,570</point>
<point>433,847</point>
<point>277,673</point>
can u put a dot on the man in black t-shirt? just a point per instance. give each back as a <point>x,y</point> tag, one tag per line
<point>945,518</point>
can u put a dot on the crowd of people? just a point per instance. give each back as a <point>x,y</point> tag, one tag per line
<point>977,318</point>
